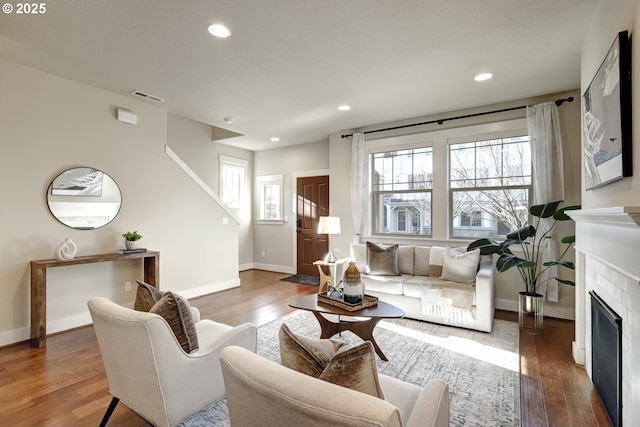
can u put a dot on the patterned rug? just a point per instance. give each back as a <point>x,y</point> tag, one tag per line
<point>303,279</point>
<point>482,369</point>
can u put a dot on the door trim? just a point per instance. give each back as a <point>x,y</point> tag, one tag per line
<point>292,224</point>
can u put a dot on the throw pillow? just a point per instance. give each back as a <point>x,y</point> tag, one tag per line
<point>382,260</point>
<point>406,255</point>
<point>422,266</point>
<point>176,311</point>
<point>348,365</point>
<point>436,260</point>
<point>460,266</point>
<point>146,296</point>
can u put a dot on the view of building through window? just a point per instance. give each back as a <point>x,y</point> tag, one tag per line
<point>402,183</point>
<point>489,184</point>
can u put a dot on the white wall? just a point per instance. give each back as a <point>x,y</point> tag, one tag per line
<point>192,141</point>
<point>277,241</point>
<point>611,18</point>
<point>507,284</point>
<point>602,268</point>
<point>49,124</point>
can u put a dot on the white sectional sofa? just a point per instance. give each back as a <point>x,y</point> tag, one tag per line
<point>435,284</point>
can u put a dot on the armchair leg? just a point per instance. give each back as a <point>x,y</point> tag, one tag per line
<point>110,409</point>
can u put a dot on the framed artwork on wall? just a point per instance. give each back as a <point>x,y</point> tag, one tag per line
<point>606,118</point>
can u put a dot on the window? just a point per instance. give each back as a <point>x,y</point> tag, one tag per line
<point>270,193</point>
<point>471,219</point>
<point>490,183</point>
<point>467,182</point>
<point>232,179</point>
<point>402,182</point>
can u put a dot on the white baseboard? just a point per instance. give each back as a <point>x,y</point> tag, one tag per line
<point>245,267</point>
<point>550,309</point>
<point>14,335</point>
<point>579,354</point>
<point>274,268</point>
<point>210,288</point>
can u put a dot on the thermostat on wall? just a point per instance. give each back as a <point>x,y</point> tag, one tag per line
<point>127,116</point>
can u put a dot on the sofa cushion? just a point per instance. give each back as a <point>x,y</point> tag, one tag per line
<point>177,312</point>
<point>460,265</point>
<point>421,260</point>
<point>406,254</point>
<point>382,260</point>
<point>386,284</point>
<point>436,260</point>
<point>348,365</point>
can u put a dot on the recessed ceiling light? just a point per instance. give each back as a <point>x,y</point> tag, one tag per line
<point>344,108</point>
<point>275,139</point>
<point>219,31</point>
<point>482,77</point>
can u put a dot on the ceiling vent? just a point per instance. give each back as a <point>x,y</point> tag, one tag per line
<point>147,96</point>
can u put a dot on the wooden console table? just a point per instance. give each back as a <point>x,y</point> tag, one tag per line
<point>151,265</point>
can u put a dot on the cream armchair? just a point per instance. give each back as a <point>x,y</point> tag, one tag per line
<point>148,370</point>
<point>265,393</point>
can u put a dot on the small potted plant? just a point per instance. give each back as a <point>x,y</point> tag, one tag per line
<point>131,238</point>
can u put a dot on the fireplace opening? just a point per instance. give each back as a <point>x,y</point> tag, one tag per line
<point>606,357</point>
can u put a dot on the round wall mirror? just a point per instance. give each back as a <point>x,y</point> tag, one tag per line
<point>84,198</point>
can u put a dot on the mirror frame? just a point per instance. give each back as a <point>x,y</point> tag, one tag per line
<point>84,198</point>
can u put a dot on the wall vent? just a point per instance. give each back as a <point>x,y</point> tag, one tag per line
<point>147,96</point>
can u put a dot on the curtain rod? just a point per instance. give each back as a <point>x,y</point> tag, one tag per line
<point>558,102</point>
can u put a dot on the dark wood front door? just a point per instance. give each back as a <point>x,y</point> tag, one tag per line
<point>312,203</point>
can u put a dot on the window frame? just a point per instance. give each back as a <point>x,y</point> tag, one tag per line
<point>263,182</point>
<point>451,190</point>
<point>376,194</point>
<point>237,200</point>
<point>441,202</point>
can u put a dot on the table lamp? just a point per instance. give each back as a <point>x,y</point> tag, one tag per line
<point>329,225</point>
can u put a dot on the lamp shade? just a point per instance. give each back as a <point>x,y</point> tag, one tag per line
<point>329,225</point>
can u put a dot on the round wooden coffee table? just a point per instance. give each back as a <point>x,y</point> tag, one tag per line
<point>361,327</point>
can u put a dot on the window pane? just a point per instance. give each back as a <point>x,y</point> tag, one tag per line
<point>403,170</point>
<point>271,201</point>
<point>499,173</point>
<point>406,213</point>
<point>231,184</point>
<point>270,191</point>
<point>490,163</point>
<point>489,213</point>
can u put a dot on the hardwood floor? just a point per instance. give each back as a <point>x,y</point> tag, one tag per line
<point>65,385</point>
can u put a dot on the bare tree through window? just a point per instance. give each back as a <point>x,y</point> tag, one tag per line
<point>493,178</point>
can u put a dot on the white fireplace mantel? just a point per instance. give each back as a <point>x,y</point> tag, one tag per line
<point>607,251</point>
<point>623,216</point>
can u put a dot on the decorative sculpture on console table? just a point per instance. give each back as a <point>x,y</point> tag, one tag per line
<point>67,250</point>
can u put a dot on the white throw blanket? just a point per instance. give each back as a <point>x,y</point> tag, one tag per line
<point>449,300</point>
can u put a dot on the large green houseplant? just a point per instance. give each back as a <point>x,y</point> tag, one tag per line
<point>530,264</point>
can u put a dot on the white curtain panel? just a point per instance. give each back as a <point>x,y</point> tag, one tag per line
<point>358,185</point>
<point>548,180</point>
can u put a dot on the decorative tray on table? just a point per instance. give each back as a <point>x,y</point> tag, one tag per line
<point>335,299</point>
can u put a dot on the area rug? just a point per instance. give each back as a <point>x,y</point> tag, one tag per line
<point>301,278</point>
<point>482,369</point>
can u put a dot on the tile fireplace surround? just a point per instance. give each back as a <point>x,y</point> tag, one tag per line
<point>608,263</point>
